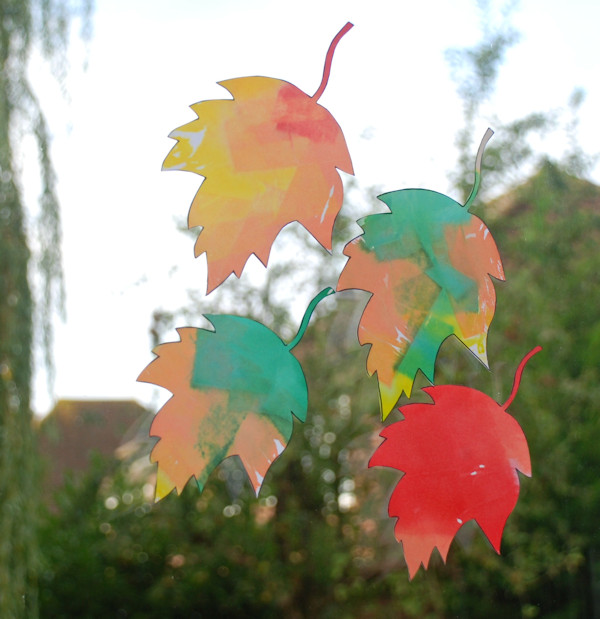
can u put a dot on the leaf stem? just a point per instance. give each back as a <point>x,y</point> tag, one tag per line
<point>308,314</point>
<point>486,138</point>
<point>328,59</point>
<point>518,374</point>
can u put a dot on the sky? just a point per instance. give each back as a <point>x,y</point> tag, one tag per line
<point>390,90</point>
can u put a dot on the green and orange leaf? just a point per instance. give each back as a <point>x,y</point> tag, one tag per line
<point>427,264</point>
<point>269,157</point>
<point>235,390</point>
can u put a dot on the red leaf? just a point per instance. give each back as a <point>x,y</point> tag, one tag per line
<point>460,456</point>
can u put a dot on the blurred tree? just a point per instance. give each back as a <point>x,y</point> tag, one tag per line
<point>318,542</point>
<point>546,229</point>
<point>23,25</point>
<point>475,71</point>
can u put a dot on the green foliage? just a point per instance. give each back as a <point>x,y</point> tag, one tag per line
<point>475,71</point>
<point>22,24</point>
<point>318,541</point>
<point>223,552</point>
<point>548,230</point>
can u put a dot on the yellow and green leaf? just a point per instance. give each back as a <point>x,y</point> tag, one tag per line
<point>427,264</point>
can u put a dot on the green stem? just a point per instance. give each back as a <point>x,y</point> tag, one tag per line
<point>308,314</point>
<point>486,138</point>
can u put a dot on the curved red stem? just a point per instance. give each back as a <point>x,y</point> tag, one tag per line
<point>328,59</point>
<point>518,375</point>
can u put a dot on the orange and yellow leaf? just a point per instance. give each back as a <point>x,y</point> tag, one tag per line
<point>269,157</point>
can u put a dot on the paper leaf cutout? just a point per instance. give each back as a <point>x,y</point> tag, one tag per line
<point>460,456</point>
<point>234,392</point>
<point>426,263</point>
<point>269,157</point>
